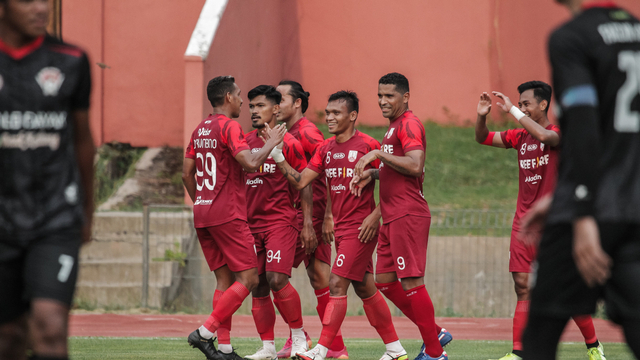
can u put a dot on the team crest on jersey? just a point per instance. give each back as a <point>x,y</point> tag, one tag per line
<point>389,133</point>
<point>50,80</point>
<point>542,146</point>
<point>353,154</point>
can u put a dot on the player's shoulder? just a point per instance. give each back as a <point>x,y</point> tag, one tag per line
<point>290,139</point>
<point>368,139</point>
<point>58,46</point>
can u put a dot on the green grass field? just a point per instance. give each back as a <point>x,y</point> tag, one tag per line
<point>359,349</point>
<point>460,173</point>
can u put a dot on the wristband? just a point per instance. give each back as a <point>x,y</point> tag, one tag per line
<point>516,112</point>
<point>277,155</point>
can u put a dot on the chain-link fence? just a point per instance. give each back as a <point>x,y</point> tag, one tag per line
<point>155,260</point>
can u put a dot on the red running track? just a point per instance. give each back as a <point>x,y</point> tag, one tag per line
<point>114,325</point>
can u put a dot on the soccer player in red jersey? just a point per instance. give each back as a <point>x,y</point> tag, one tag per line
<point>538,162</point>
<point>318,263</point>
<point>356,225</point>
<point>402,245</point>
<point>274,223</point>
<point>214,179</point>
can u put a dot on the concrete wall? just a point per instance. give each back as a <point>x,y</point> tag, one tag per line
<point>450,51</point>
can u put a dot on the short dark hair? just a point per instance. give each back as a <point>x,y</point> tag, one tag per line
<point>400,81</point>
<point>268,91</point>
<point>297,92</point>
<point>218,88</point>
<point>541,91</point>
<point>353,104</point>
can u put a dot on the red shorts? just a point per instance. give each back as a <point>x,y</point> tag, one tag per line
<point>521,255</point>
<point>353,258</point>
<point>323,251</point>
<point>276,249</point>
<point>228,244</point>
<point>402,246</point>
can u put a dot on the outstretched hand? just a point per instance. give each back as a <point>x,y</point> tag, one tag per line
<point>506,102</point>
<point>358,183</point>
<point>484,105</point>
<point>366,159</point>
<point>275,135</point>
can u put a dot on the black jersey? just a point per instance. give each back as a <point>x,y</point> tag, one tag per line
<point>41,85</point>
<point>596,75</point>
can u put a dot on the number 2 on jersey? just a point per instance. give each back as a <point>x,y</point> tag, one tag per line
<point>209,182</point>
<point>625,119</point>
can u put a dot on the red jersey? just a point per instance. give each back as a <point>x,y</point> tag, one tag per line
<point>401,194</point>
<point>311,139</point>
<point>271,200</point>
<point>538,168</point>
<point>337,161</point>
<point>219,194</point>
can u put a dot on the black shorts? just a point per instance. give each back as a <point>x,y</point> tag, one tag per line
<point>45,268</point>
<point>559,290</point>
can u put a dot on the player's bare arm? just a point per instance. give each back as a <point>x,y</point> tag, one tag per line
<point>295,178</point>
<point>328,233</point>
<point>482,131</point>
<point>370,225</point>
<point>188,177</point>
<point>85,152</point>
<point>308,234</point>
<point>252,162</point>
<point>410,164</point>
<point>547,137</point>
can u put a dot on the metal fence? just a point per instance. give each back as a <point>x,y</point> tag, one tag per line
<point>466,274</point>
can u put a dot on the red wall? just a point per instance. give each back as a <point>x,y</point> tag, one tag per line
<point>450,51</point>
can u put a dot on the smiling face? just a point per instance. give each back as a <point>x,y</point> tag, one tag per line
<point>29,18</point>
<point>391,102</point>
<point>262,111</point>
<point>530,106</point>
<point>338,117</point>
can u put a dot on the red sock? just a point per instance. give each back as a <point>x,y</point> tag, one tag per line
<point>334,315</point>
<point>379,317</point>
<point>424,313</point>
<point>229,302</point>
<point>519,323</point>
<point>585,323</point>
<point>323,299</point>
<point>264,316</point>
<point>394,292</point>
<point>288,302</point>
<point>225,327</point>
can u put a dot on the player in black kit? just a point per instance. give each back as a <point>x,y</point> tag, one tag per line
<point>46,176</point>
<point>591,243</point>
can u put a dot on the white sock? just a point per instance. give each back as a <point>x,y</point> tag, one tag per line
<point>298,333</point>
<point>394,347</point>
<point>323,350</point>
<point>205,333</point>
<point>225,348</point>
<point>269,345</point>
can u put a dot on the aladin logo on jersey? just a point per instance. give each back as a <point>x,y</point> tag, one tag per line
<point>533,179</point>
<point>389,133</point>
<point>338,187</point>
<point>50,80</point>
<point>255,182</point>
<point>353,154</point>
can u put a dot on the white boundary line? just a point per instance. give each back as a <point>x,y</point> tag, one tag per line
<point>205,30</point>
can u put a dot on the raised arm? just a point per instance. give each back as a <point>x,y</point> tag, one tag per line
<point>252,161</point>
<point>545,136</point>
<point>483,135</point>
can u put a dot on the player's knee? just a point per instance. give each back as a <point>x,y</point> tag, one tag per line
<point>338,286</point>
<point>248,278</point>
<point>49,330</point>
<point>278,281</point>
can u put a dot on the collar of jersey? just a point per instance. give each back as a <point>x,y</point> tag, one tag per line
<point>600,4</point>
<point>20,53</point>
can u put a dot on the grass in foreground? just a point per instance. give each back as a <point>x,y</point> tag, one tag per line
<point>460,173</point>
<point>359,349</point>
